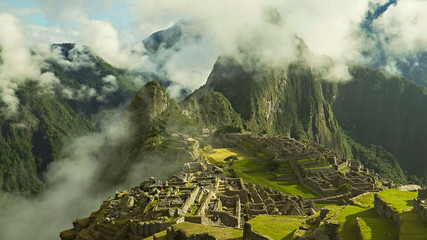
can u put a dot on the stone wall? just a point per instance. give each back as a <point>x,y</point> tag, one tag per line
<point>238,213</point>
<point>190,200</point>
<point>229,201</point>
<point>358,229</point>
<point>227,219</point>
<point>422,193</point>
<point>137,230</point>
<point>331,230</point>
<point>248,233</point>
<point>109,234</point>
<point>243,194</point>
<point>316,188</point>
<point>205,204</point>
<point>421,208</point>
<point>173,234</point>
<point>342,165</point>
<point>196,219</point>
<point>385,210</point>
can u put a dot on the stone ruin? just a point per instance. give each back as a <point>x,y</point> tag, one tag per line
<point>327,183</point>
<point>194,195</point>
<point>203,194</point>
<point>323,180</point>
<point>420,204</point>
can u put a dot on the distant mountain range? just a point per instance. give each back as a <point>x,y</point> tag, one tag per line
<point>377,118</point>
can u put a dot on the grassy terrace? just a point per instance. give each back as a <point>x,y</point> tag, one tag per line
<point>276,227</point>
<point>217,232</point>
<point>399,200</point>
<point>378,228</point>
<point>322,167</point>
<point>381,228</point>
<point>365,200</point>
<point>249,169</point>
<point>412,226</point>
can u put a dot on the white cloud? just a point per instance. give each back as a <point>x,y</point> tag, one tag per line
<point>104,40</point>
<point>402,27</point>
<point>85,93</point>
<point>18,64</point>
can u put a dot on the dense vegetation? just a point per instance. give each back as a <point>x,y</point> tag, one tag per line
<point>46,120</point>
<point>386,111</point>
<point>298,102</point>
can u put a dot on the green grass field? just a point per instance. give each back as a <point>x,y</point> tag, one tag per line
<point>412,226</point>
<point>365,200</point>
<point>321,167</point>
<point>399,200</point>
<point>249,169</point>
<point>217,232</point>
<point>219,154</point>
<point>378,228</point>
<point>373,224</point>
<point>276,227</point>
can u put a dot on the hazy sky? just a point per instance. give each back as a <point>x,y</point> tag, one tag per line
<point>329,27</point>
<point>376,33</point>
<point>58,21</point>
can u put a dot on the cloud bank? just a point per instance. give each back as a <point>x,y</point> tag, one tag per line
<point>18,64</point>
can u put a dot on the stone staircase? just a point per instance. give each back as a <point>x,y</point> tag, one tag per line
<point>221,187</point>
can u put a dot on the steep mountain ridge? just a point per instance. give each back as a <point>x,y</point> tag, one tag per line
<point>384,110</point>
<point>290,101</point>
<point>46,121</point>
<point>298,101</point>
<point>157,132</point>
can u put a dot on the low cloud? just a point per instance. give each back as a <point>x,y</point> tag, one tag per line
<point>257,33</point>
<point>73,184</point>
<point>18,64</point>
<point>85,93</point>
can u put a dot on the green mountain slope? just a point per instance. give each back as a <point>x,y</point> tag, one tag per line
<point>388,111</point>
<point>291,101</point>
<point>157,127</point>
<point>34,138</point>
<point>298,101</point>
<point>212,110</point>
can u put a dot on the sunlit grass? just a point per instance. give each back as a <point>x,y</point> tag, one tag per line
<point>399,200</point>
<point>276,227</point>
<point>365,200</point>
<point>347,219</point>
<point>378,228</point>
<point>249,169</point>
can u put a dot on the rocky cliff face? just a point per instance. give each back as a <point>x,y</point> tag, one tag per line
<point>389,111</point>
<point>298,101</point>
<point>148,104</point>
<point>212,110</point>
<point>291,101</point>
<point>150,143</point>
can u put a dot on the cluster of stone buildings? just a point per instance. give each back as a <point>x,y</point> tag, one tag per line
<point>324,171</point>
<point>199,194</point>
<point>327,183</point>
<point>202,193</point>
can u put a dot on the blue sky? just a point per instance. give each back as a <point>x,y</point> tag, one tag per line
<point>115,12</point>
<point>36,17</point>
